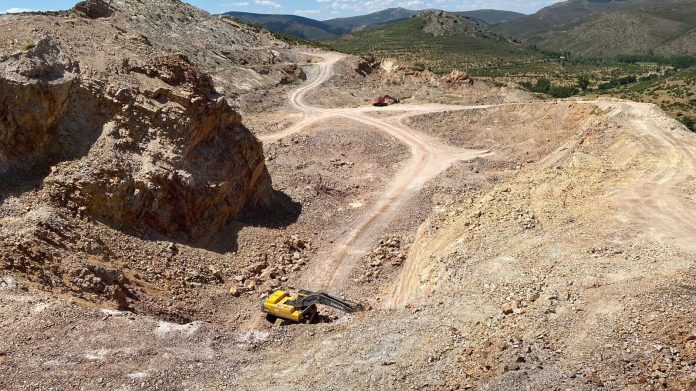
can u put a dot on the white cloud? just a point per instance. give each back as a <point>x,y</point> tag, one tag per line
<point>268,3</point>
<point>525,6</point>
<point>15,10</point>
<point>239,4</point>
<point>414,4</point>
<point>323,1</point>
<point>341,6</point>
<point>306,12</point>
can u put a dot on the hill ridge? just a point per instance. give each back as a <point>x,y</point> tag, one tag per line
<point>312,29</point>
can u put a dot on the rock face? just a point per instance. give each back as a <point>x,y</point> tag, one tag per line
<point>151,147</point>
<point>34,93</point>
<point>440,23</point>
<point>94,9</point>
<point>177,159</point>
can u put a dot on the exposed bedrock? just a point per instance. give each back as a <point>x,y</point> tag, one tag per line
<point>154,148</point>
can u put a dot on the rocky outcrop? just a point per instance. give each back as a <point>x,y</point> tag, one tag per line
<point>153,147</point>
<point>94,9</point>
<point>456,78</point>
<point>174,158</point>
<point>34,93</point>
<point>440,23</point>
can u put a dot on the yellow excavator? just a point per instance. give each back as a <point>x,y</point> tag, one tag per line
<point>302,308</point>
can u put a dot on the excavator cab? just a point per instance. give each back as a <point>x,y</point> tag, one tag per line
<point>302,308</point>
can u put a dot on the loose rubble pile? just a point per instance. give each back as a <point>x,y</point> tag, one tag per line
<point>456,78</point>
<point>388,253</point>
<point>264,276</point>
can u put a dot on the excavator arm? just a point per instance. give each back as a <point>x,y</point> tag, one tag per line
<point>307,298</point>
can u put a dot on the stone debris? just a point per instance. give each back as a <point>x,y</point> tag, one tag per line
<point>389,252</point>
<point>264,276</point>
<point>456,78</point>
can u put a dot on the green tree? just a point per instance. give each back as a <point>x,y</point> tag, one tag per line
<point>562,92</point>
<point>689,122</point>
<point>583,82</point>
<point>542,85</point>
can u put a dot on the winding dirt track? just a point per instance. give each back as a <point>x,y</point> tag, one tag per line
<point>429,157</point>
<point>652,201</point>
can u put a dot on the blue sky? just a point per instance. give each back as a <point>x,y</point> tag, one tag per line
<point>316,9</point>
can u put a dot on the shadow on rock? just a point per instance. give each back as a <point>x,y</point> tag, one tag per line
<point>281,213</point>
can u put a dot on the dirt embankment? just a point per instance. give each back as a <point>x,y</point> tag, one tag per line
<point>555,123</point>
<point>576,257</point>
<point>357,81</point>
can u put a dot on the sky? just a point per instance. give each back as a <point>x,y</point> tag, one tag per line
<point>315,9</point>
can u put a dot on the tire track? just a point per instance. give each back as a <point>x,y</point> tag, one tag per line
<point>428,158</point>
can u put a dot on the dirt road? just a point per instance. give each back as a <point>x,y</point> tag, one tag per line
<point>429,157</point>
<point>641,203</point>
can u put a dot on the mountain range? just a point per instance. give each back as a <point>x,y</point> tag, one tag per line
<point>310,29</point>
<point>604,28</point>
<point>590,28</point>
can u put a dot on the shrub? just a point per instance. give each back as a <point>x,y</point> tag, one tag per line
<point>563,92</point>
<point>617,82</point>
<point>28,45</point>
<point>542,85</point>
<point>583,82</point>
<point>613,83</point>
<point>689,122</point>
<point>627,79</point>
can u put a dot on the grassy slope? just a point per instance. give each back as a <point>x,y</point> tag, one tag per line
<point>297,26</point>
<point>611,34</point>
<point>407,42</point>
<point>492,16</point>
<point>604,29</point>
<point>675,93</point>
<point>352,22</point>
